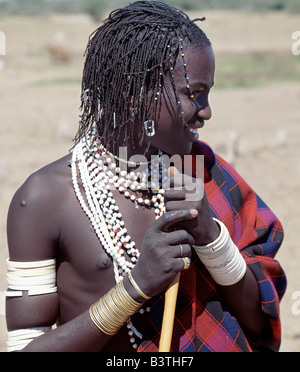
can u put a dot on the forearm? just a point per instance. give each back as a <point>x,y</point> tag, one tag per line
<point>92,330</point>
<point>236,282</point>
<point>78,335</point>
<point>244,302</point>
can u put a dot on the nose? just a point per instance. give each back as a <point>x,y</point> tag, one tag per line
<point>204,113</point>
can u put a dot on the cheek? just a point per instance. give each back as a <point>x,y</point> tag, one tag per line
<point>163,132</point>
<point>166,118</point>
<point>170,112</point>
<point>189,108</point>
<point>187,104</point>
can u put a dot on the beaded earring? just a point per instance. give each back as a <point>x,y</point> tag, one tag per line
<point>172,65</point>
<point>185,70</point>
<point>114,119</point>
<point>86,98</point>
<point>149,127</point>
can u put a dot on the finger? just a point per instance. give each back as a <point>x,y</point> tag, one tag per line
<point>181,264</point>
<point>175,177</point>
<point>174,195</point>
<point>179,237</point>
<point>164,222</point>
<point>183,250</point>
<point>174,205</point>
<point>186,261</point>
<point>194,192</point>
<point>178,180</point>
<point>191,188</point>
<point>172,171</point>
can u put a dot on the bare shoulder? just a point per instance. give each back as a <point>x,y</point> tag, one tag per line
<point>33,220</point>
<point>47,184</point>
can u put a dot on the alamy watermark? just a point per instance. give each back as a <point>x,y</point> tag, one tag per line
<point>156,175</point>
<point>151,174</point>
<point>2,44</point>
<point>296,44</point>
<point>296,303</point>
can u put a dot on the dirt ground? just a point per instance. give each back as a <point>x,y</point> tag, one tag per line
<point>257,129</point>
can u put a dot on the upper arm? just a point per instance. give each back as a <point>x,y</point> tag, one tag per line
<point>32,233</point>
<point>32,229</point>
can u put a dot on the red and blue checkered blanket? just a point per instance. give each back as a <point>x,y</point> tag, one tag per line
<point>203,323</point>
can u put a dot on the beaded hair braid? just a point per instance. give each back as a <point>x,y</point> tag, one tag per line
<point>128,59</point>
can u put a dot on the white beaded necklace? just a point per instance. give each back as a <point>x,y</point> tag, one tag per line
<point>99,175</point>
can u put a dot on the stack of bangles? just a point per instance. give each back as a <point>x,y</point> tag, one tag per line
<point>222,258</point>
<point>117,306</point>
<point>113,309</point>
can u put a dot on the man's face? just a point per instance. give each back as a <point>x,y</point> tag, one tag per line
<point>171,136</point>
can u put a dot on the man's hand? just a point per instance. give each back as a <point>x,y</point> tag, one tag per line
<point>188,193</point>
<point>161,254</point>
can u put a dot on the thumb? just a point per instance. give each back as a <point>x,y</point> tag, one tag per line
<point>172,171</point>
<point>175,178</point>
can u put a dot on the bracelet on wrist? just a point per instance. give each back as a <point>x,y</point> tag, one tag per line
<point>136,287</point>
<point>222,258</point>
<point>113,310</point>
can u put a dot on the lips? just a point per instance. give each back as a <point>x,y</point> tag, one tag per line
<point>193,131</point>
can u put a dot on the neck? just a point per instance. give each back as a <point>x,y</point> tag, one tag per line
<point>126,155</point>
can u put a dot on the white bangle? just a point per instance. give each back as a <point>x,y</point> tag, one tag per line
<point>19,339</point>
<point>38,277</point>
<point>222,258</point>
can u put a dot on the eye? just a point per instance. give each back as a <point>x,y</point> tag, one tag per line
<point>196,96</point>
<point>197,93</point>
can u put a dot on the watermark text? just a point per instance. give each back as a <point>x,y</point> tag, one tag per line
<point>2,44</point>
<point>190,173</point>
<point>296,44</point>
<point>296,304</point>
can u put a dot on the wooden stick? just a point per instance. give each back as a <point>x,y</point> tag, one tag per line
<point>169,315</point>
<point>170,304</point>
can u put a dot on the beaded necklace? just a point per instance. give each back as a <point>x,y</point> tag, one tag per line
<point>99,175</point>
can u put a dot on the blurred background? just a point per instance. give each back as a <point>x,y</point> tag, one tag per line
<point>255,102</point>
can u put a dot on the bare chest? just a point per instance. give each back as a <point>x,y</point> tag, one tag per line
<point>86,269</point>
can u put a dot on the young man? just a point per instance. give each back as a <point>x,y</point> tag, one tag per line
<point>96,237</point>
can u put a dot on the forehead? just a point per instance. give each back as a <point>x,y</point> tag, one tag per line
<point>200,66</point>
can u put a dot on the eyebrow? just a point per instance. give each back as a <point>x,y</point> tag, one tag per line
<point>194,86</point>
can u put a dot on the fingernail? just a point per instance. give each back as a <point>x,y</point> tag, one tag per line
<point>194,212</point>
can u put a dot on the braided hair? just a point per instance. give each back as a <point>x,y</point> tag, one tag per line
<point>127,61</point>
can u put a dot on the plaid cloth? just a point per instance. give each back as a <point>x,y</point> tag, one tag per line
<point>202,321</point>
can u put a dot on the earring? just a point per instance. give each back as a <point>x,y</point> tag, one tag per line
<point>185,70</point>
<point>115,123</point>
<point>149,128</point>
<point>86,98</point>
